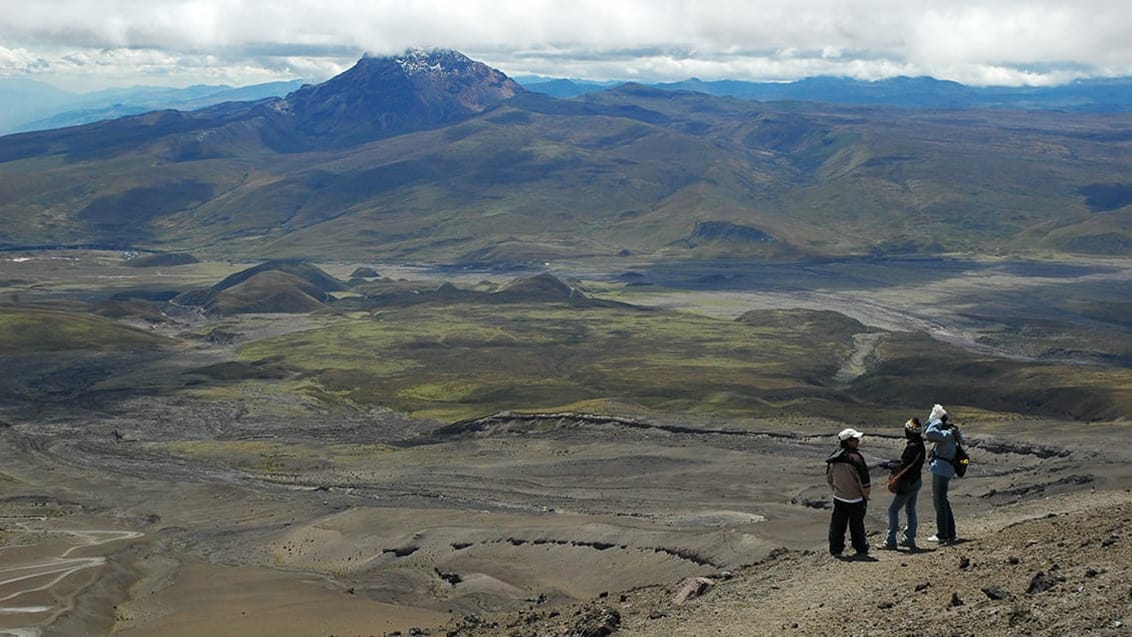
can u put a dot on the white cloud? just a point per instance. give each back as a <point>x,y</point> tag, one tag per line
<point>249,41</point>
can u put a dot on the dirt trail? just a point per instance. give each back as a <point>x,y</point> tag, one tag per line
<point>39,582</point>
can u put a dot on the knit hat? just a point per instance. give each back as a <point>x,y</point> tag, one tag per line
<point>937,412</point>
<point>913,426</point>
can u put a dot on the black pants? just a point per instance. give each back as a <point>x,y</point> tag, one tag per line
<point>851,514</point>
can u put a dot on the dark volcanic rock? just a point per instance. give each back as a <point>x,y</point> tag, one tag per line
<point>995,593</point>
<point>162,260</point>
<point>1040,583</point>
<point>596,622</point>
<point>364,272</point>
<point>727,231</point>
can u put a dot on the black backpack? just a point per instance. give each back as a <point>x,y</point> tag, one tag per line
<point>961,461</point>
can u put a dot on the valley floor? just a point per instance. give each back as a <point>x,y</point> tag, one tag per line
<point>535,524</point>
<point>140,496</point>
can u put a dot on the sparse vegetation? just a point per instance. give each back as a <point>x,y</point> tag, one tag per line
<point>266,456</point>
<point>632,444</point>
<point>453,352</point>
<point>24,330</point>
<point>463,360</point>
<point>621,172</point>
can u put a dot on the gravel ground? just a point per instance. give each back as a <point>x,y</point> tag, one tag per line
<point>1067,571</point>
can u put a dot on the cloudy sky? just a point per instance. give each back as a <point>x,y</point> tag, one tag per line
<point>89,44</point>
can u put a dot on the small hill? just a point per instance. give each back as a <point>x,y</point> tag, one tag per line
<point>542,287</point>
<point>40,330</point>
<point>710,238</point>
<point>727,231</point>
<point>364,272</point>
<point>280,286</point>
<point>271,291</point>
<point>131,308</point>
<point>300,269</point>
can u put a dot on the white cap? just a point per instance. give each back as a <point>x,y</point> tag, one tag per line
<point>849,433</point>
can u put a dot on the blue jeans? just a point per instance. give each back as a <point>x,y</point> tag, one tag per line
<point>907,502</point>
<point>944,518</point>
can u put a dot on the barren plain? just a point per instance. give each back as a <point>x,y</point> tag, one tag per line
<point>142,496</point>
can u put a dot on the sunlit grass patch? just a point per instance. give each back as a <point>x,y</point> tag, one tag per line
<point>35,330</point>
<point>466,360</point>
<point>270,456</point>
<point>280,398</point>
<point>454,391</point>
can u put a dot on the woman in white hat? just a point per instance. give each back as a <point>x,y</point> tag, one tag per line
<point>946,439</point>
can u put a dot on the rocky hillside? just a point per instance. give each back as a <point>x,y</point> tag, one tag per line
<point>1061,567</point>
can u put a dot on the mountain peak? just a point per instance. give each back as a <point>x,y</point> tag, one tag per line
<point>432,61</point>
<point>383,96</point>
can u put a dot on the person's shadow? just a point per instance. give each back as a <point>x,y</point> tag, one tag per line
<point>859,557</point>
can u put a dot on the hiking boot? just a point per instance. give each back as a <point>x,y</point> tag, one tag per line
<point>909,544</point>
<point>886,547</point>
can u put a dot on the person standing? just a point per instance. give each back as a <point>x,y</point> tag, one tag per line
<point>945,438</point>
<point>907,480</point>
<point>848,476</point>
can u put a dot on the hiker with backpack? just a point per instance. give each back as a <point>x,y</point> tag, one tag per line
<point>848,476</point>
<point>946,439</point>
<point>905,483</point>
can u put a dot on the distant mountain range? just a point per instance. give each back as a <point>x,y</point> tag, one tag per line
<point>1086,96</point>
<point>26,105</point>
<point>431,156</point>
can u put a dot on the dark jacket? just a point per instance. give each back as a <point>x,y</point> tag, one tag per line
<point>848,475</point>
<point>913,458</point>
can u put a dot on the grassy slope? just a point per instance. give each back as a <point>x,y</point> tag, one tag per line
<point>30,330</point>
<point>452,354</point>
<point>627,170</point>
<point>921,369</point>
<point>459,361</point>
